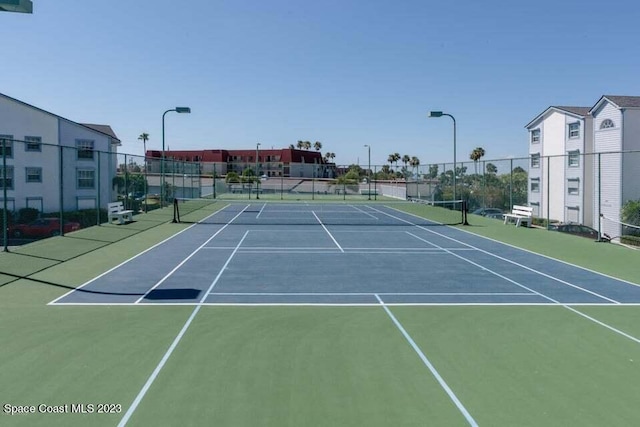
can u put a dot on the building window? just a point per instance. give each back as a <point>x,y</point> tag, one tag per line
<point>535,185</point>
<point>86,178</point>
<point>35,203</point>
<point>535,136</point>
<point>33,174</point>
<point>606,124</point>
<point>573,186</point>
<point>33,143</point>
<point>6,145</point>
<point>535,160</point>
<point>574,130</point>
<point>574,159</point>
<point>8,184</point>
<point>85,149</point>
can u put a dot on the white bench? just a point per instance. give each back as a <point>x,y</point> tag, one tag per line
<point>367,192</point>
<point>520,215</point>
<point>117,211</point>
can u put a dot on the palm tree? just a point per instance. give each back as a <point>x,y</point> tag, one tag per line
<point>306,145</point>
<point>406,159</point>
<point>396,157</point>
<point>492,169</point>
<point>144,137</point>
<point>476,155</point>
<point>393,158</point>
<point>292,147</point>
<point>317,145</point>
<point>415,162</point>
<point>300,145</point>
<point>329,155</point>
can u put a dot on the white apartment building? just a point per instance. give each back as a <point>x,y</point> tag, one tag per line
<point>558,171</point>
<point>578,169</point>
<point>53,163</point>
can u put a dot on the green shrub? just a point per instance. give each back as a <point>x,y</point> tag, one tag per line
<point>26,215</point>
<point>630,240</point>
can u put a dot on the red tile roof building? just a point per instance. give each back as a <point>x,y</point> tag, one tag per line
<point>288,162</point>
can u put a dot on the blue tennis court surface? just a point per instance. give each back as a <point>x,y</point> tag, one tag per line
<point>255,253</point>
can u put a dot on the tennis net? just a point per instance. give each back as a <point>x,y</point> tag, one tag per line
<point>387,213</point>
<point>619,231</point>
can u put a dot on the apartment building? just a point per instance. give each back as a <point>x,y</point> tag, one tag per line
<point>53,163</point>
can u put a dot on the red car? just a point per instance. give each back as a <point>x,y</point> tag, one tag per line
<point>43,227</point>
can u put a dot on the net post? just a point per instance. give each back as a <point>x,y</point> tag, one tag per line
<point>464,213</point>
<point>176,214</point>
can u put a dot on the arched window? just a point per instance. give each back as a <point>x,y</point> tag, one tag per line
<point>606,124</point>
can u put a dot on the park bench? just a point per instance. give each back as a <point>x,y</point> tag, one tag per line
<point>117,211</point>
<point>519,215</point>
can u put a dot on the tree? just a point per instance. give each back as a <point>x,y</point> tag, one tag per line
<point>306,145</point>
<point>144,137</point>
<point>292,147</point>
<point>232,177</point>
<point>491,169</point>
<point>329,156</point>
<point>631,212</point>
<point>415,162</point>
<point>433,171</point>
<point>317,145</point>
<point>406,159</point>
<point>393,158</point>
<point>476,155</point>
<point>300,145</point>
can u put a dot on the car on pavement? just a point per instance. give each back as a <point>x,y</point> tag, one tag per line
<point>43,227</point>
<point>578,230</point>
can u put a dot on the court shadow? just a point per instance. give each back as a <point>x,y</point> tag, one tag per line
<point>173,294</point>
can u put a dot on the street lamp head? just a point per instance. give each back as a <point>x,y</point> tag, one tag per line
<point>435,114</point>
<point>183,110</point>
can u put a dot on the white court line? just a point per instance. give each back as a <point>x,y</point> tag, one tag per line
<point>329,233</point>
<point>503,259</point>
<point>134,257</point>
<point>134,405</point>
<point>373,294</point>
<point>364,212</point>
<point>261,209</point>
<point>567,306</point>
<point>398,304</point>
<point>169,274</point>
<point>430,366</point>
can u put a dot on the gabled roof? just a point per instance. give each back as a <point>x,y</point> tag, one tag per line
<point>104,129</point>
<point>618,101</point>
<point>578,112</point>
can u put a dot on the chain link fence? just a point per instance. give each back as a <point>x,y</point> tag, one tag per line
<point>75,184</point>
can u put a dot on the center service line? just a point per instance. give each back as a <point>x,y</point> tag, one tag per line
<point>428,364</point>
<point>125,419</point>
<point>329,233</point>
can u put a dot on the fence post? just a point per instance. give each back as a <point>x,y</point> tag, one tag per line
<point>511,183</point>
<point>4,194</point>
<point>599,199</point>
<point>61,174</point>
<point>99,184</point>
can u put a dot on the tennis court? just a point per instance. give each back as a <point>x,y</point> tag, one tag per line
<point>262,313</point>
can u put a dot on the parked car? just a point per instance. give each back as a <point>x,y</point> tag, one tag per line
<point>489,212</point>
<point>43,227</point>
<point>578,230</point>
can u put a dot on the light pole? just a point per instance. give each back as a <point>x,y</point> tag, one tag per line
<point>257,176</point>
<point>440,114</point>
<point>177,110</point>
<point>369,171</point>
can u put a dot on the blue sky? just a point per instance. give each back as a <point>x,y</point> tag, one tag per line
<point>345,73</point>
